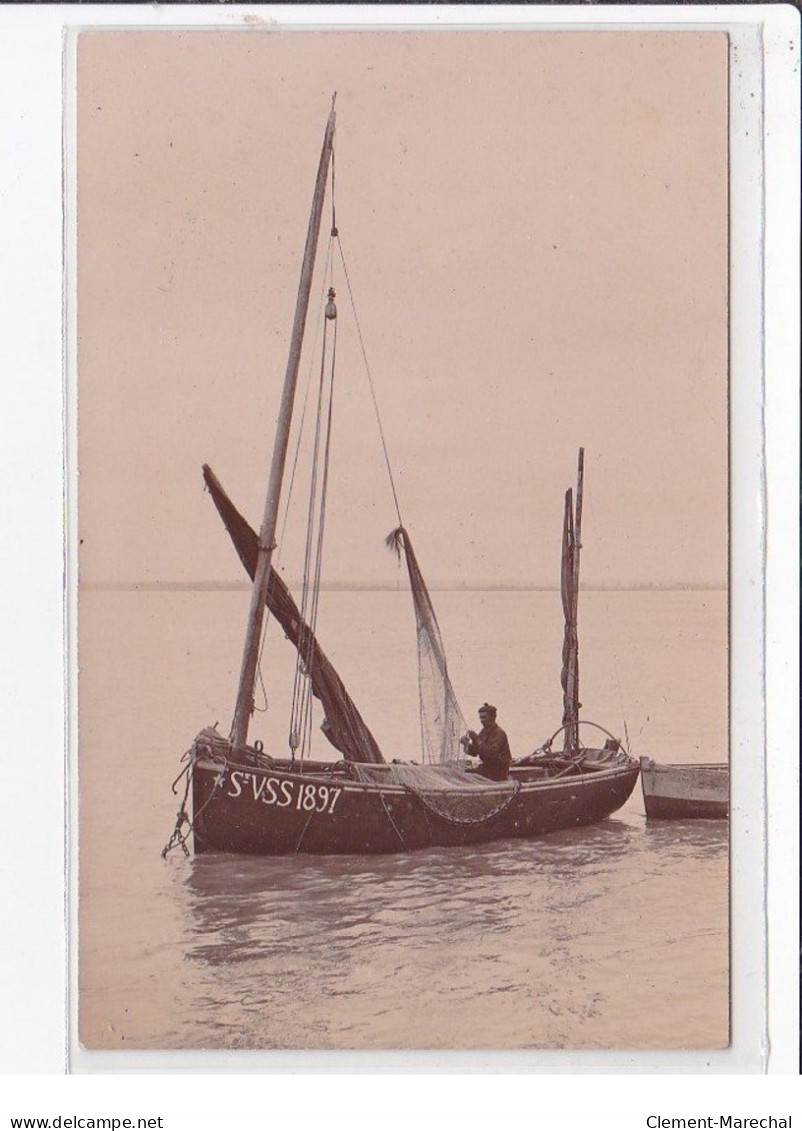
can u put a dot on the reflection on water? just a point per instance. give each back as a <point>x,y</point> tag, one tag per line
<point>610,936</point>
<point>246,903</point>
<point>366,951</point>
<point>688,838</point>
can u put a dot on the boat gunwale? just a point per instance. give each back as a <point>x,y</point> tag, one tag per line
<point>349,785</point>
<point>687,767</point>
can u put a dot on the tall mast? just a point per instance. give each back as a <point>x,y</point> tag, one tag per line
<point>267,533</point>
<point>569,589</point>
<point>575,589</point>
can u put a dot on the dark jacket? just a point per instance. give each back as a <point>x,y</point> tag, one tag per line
<point>492,749</point>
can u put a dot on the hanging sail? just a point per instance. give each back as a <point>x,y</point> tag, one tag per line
<point>442,721</point>
<point>343,725</point>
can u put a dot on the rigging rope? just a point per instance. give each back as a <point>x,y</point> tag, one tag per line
<point>327,268</point>
<point>302,696</point>
<point>440,714</point>
<point>321,529</point>
<point>370,381</point>
<point>300,735</point>
<point>301,709</point>
<point>298,708</point>
<point>441,719</point>
<point>333,195</point>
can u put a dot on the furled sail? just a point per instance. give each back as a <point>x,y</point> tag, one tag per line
<point>442,721</point>
<point>569,587</point>
<point>570,672</point>
<point>343,725</point>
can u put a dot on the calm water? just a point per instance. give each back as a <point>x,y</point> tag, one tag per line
<point>613,936</point>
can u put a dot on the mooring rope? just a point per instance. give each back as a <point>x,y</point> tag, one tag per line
<point>179,837</point>
<point>182,817</point>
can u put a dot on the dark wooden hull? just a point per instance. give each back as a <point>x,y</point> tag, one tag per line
<point>274,812</point>
<point>680,792</point>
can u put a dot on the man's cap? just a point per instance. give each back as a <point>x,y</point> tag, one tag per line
<point>487,709</point>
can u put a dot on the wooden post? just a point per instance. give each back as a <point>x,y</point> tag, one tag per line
<point>267,533</point>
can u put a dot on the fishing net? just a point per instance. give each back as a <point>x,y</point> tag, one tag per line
<point>442,721</point>
<point>446,791</point>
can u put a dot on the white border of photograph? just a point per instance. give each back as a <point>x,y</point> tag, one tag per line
<point>38,657</point>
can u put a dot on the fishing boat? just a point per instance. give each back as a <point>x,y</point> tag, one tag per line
<point>245,799</point>
<point>681,792</point>
<point>574,751</point>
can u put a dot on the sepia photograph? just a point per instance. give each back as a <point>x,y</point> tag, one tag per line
<point>402,484</point>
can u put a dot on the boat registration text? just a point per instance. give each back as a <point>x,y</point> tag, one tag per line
<point>306,796</point>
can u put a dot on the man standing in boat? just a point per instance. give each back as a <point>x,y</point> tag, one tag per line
<point>490,746</point>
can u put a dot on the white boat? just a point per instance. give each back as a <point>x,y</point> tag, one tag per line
<point>696,790</point>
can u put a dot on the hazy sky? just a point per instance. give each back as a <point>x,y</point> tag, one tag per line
<point>535,225</point>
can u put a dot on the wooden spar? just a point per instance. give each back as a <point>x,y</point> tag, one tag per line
<point>569,648</point>
<point>267,534</point>
<point>575,591</point>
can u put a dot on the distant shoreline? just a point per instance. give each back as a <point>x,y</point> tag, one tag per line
<point>380,587</point>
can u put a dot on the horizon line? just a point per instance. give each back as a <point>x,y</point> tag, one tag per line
<point>388,587</point>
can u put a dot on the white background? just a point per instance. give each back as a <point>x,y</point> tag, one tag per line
<point>33,968</point>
